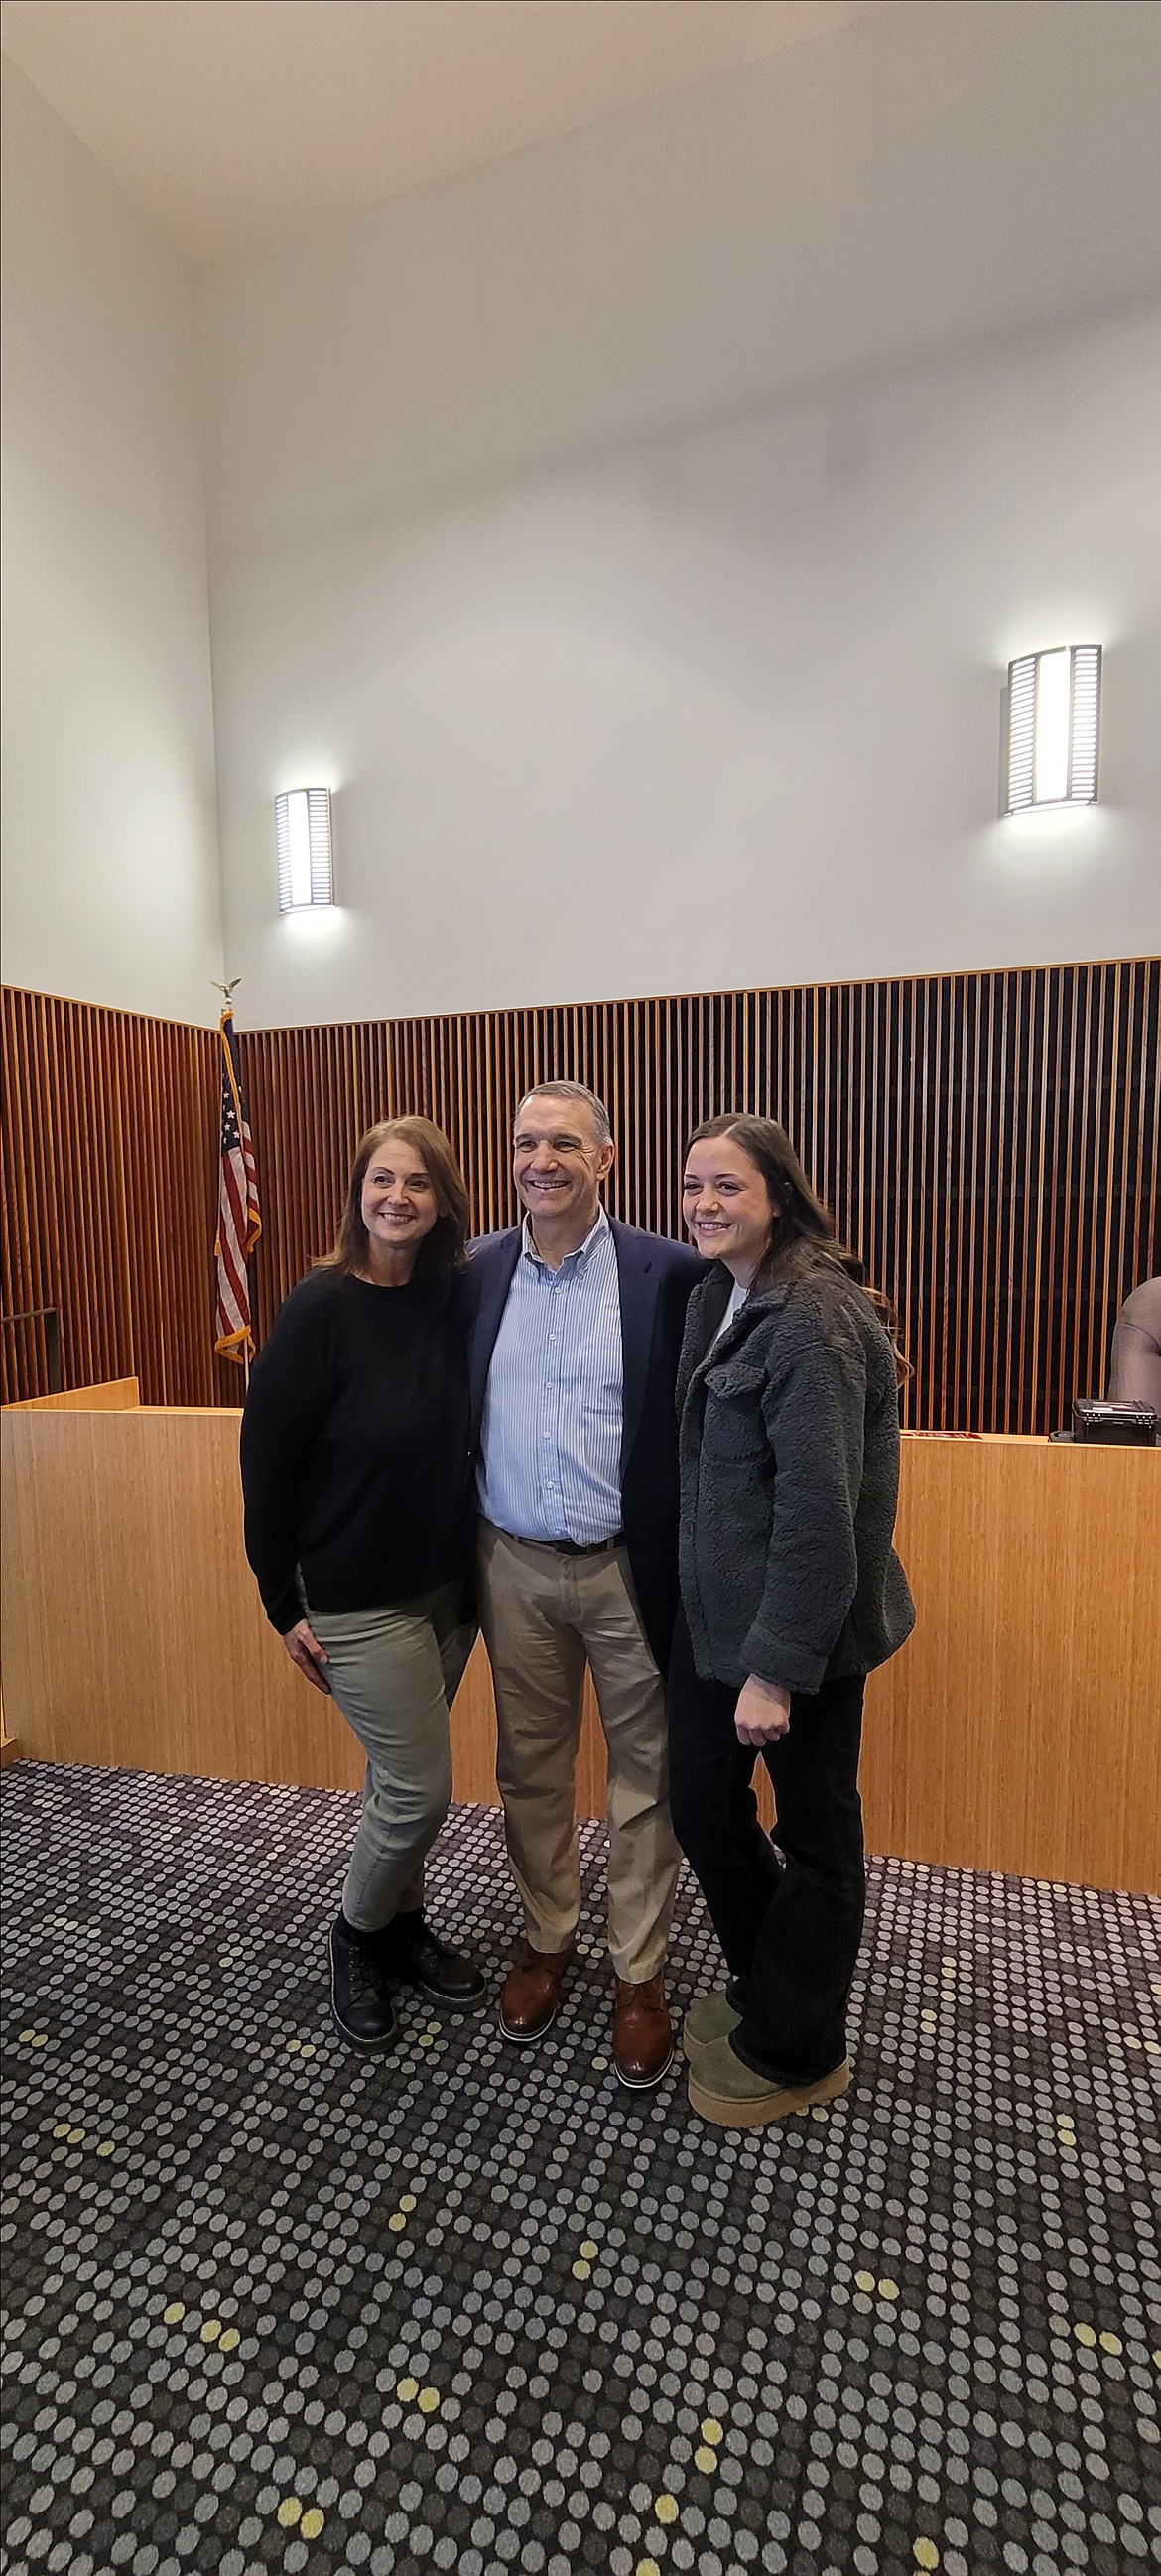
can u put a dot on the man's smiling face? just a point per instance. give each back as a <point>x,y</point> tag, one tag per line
<point>558,1160</point>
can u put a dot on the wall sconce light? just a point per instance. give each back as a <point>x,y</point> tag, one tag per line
<point>1053,720</point>
<point>302,831</point>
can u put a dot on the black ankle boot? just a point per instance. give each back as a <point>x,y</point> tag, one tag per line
<point>359,1999</point>
<point>411,1951</point>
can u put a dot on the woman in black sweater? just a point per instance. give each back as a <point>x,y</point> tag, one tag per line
<point>355,1471</point>
<point>791,1593</point>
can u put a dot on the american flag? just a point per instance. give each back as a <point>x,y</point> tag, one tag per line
<point>239,1222</point>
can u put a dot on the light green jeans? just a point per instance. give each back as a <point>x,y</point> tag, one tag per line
<point>394,1673</point>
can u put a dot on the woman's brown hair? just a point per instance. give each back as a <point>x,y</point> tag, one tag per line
<point>803,1235</point>
<point>445,1248</point>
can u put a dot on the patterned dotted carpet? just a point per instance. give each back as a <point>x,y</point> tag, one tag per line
<point>472,2307</point>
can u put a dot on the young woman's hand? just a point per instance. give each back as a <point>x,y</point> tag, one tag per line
<point>304,1650</point>
<point>762,1713</point>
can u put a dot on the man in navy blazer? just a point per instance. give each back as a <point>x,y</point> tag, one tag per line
<point>575,1334</point>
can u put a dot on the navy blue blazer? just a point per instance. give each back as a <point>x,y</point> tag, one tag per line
<point>656,1278</point>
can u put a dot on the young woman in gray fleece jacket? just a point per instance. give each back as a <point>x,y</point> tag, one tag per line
<point>791,1593</point>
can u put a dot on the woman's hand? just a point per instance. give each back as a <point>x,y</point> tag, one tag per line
<point>304,1650</point>
<point>762,1713</point>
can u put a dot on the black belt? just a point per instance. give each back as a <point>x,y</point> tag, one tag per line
<point>573,1547</point>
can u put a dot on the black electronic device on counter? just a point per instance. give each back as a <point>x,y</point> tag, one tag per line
<point>1131,1426</point>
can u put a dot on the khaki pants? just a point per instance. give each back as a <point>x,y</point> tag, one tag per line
<point>544,1616</point>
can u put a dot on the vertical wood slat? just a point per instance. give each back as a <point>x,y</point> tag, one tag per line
<point>110,1151</point>
<point>990,1142</point>
<point>992,1152</point>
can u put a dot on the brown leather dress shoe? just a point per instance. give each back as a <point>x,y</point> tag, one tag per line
<point>642,2034</point>
<point>531,1993</point>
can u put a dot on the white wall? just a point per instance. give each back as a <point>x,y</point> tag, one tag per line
<point>635,534</point>
<point>111,887</point>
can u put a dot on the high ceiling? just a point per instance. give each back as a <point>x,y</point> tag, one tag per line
<point>231,121</point>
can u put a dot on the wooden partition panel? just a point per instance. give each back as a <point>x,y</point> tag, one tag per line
<point>1017,1729</point>
<point>110,1199</point>
<point>119,1395</point>
<point>990,1143</point>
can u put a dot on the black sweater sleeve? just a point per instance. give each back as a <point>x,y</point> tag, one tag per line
<point>286,1405</point>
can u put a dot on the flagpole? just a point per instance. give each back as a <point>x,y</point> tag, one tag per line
<point>239,1222</point>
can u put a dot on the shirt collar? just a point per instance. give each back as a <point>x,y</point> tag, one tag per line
<point>581,1254</point>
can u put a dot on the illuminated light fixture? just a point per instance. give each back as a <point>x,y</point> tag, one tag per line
<point>302,830</point>
<point>1053,710</point>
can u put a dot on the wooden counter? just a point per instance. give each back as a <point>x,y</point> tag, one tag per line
<point>1020,1729</point>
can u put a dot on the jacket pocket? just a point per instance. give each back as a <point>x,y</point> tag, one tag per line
<point>732,1424</point>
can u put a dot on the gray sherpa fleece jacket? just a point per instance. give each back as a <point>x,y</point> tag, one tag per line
<point>789,1439</point>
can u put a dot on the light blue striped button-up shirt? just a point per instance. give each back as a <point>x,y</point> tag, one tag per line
<point>554,1404</point>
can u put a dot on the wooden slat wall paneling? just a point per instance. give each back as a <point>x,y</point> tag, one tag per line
<point>989,1142</point>
<point>110,1199</point>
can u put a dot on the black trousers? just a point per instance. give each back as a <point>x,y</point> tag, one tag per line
<point>790,1927</point>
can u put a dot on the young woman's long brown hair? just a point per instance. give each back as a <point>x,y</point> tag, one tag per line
<point>445,1248</point>
<point>803,1235</point>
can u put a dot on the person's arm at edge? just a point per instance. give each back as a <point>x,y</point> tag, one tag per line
<point>285,1405</point>
<point>813,1410</point>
